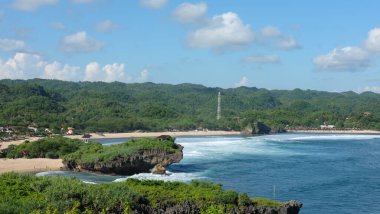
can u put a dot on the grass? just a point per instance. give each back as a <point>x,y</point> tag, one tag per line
<point>264,202</point>
<point>96,153</point>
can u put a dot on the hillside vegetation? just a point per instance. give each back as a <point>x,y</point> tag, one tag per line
<point>119,107</point>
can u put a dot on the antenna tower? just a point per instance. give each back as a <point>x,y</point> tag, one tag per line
<point>218,112</point>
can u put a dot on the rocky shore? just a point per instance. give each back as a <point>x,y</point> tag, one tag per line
<point>291,207</point>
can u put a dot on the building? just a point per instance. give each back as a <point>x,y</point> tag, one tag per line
<point>86,138</point>
<point>366,113</point>
<point>70,131</point>
<point>327,127</point>
<point>32,128</point>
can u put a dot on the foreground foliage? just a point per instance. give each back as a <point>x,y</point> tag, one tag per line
<point>30,194</point>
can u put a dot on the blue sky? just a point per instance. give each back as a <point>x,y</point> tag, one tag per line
<point>274,44</point>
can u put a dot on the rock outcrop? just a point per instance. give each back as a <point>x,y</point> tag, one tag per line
<point>256,128</point>
<point>138,162</point>
<point>159,169</point>
<point>291,207</point>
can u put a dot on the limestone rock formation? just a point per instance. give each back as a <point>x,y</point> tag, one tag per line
<point>292,207</point>
<point>138,162</point>
<point>159,169</point>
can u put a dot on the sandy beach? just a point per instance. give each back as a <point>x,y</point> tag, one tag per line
<point>29,165</point>
<point>334,131</point>
<point>154,134</point>
<point>5,144</point>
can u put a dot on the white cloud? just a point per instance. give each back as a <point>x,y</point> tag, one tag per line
<point>106,25</point>
<point>270,31</point>
<point>226,30</point>
<point>115,72</point>
<point>373,41</point>
<point>375,89</point>
<point>28,66</point>
<point>55,70</point>
<point>31,5</point>
<point>12,45</point>
<point>344,59</point>
<point>82,1</point>
<point>243,82</point>
<point>109,72</point>
<point>144,76</point>
<point>22,66</point>
<point>57,25</point>
<point>93,72</point>
<point>190,13</point>
<point>79,43</point>
<point>289,43</point>
<point>153,4</point>
<point>262,59</point>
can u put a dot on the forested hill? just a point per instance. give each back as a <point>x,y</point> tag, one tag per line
<point>116,107</point>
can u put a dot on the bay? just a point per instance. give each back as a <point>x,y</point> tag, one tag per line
<point>329,173</point>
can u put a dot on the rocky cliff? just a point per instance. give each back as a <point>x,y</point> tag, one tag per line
<point>291,207</point>
<point>140,160</point>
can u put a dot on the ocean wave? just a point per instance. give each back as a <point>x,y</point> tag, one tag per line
<point>336,137</point>
<point>170,176</point>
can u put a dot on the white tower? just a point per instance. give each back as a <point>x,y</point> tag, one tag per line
<point>218,111</point>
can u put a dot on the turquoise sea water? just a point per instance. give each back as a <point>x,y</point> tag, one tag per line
<point>328,173</point>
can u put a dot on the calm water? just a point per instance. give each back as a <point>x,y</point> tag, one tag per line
<point>328,173</point>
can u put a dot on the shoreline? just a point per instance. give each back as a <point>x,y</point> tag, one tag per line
<point>333,131</point>
<point>35,165</point>
<point>153,134</point>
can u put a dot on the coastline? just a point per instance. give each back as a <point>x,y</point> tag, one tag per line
<point>318,131</point>
<point>153,134</point>
<point>30,165</point>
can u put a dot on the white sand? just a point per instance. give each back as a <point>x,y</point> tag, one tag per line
<point>155,134</point>
<point>5,144</point>
<point>29,165</point>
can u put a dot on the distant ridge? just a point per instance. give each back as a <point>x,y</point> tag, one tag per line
<point>121,107</point>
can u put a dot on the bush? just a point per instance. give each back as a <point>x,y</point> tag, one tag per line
<point>50,147</point>
<point>30,194</point>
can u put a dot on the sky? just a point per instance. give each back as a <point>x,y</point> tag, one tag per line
<point>274,44</point>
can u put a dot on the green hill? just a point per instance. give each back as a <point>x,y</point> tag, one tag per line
<point>118,107</point>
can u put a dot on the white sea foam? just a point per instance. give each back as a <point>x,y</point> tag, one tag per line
<point>336,137</point>
<point>50,173</point>
<point>88,182</point>
<point>184,177</point>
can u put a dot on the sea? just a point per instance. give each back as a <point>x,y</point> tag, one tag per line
<point>328,173</point>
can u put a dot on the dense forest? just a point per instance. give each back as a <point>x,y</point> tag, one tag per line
<point>120,107</point>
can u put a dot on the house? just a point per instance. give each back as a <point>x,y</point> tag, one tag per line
<point>8,130</point>
<point>367,113</point>
<point>327,127</point>
<point>32,128</point>
<point>70,131</point>
<point>86,137</point>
